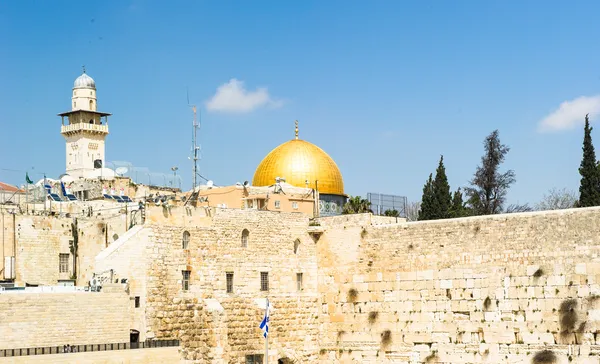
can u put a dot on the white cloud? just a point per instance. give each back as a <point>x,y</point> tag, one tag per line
<point>571,113</point>
<point>232,97</point>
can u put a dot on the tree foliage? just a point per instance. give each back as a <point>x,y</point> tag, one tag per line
<point>441,192</point>
<point>516,207</point>
<point>488,189</point>
<point>356,205</point>
<point>392,213</point>
<point>557,199</point>
<point>428,207</point>
<point>458,208</point>
<point>589,188</point>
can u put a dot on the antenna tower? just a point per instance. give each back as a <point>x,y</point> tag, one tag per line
<point>195,147</point>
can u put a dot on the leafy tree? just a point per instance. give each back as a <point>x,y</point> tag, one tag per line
<point>487,193</point>
<point>357,205</point>
<point>458,208</point>
<point>428,201</point>
<point>441,191</point>
<point>392,213</point>
<point>589,193</point>
<point>557,199</point>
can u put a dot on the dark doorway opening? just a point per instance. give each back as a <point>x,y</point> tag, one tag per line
<point>134,339</point>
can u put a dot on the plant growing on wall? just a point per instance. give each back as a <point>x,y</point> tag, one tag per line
<point>386,338</point>
<point>544,357</point>
<point>373,315</point>
<point>352,295</point>
<point>74,246</point>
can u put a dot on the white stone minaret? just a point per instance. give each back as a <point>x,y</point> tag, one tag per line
<point>85,131</point>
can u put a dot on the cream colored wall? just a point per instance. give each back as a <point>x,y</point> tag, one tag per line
<point>234,318</point>
<point>82,97</point>
<point>428,283</point>
<point>79,156</point>
<point>51,319</point>
<point>232,197</point>
<point>40,239</point>
<point>127,258</point>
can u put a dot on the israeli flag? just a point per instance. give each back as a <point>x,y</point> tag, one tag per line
<point>264,325</point>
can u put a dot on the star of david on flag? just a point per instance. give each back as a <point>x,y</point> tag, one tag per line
<point>264,325</point>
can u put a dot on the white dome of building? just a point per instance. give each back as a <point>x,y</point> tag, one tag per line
<point>84,81</point>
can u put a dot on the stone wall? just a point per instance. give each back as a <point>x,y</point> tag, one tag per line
<point>216,326</point>
<point>485,289</point>
<point>40,239</point>
<point>52,319</point>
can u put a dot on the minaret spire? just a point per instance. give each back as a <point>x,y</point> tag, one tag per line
<point>83,68</point>
<point>296,129</point>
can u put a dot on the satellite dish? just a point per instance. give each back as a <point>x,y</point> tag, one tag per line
<point>157,201</point>
<point>121,171</point>
<point>246,184</point>
<point>209,184</point>
<point>183,198</point>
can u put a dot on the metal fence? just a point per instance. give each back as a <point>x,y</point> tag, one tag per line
<point>381,203</point>
<point>143,175</point>
<point>65,349</point>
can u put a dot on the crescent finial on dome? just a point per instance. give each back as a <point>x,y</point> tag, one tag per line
<point>296,129</point>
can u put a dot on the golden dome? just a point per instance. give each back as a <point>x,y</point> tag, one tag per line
<point>298,161</point>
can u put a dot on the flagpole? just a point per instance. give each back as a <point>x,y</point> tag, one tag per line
<point>267,336</point>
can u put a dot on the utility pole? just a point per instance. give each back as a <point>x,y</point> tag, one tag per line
<point>195,146</point>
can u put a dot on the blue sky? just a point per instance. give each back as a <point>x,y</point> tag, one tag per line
<point>384,87</point>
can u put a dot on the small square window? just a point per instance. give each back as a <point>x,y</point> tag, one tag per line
<point>254,359</point>
<point>229,276</point>
<point>295,205</point>
<point>185,283</point>
<point>137,301</point>
<point>277,204</point>
<point>264,281</point>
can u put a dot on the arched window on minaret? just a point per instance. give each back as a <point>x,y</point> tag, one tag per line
<point>92,105</point>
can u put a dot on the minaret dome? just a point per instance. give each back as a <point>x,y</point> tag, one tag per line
<point>84,93</point>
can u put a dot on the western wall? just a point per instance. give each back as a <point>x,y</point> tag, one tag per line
<point>495,289</point>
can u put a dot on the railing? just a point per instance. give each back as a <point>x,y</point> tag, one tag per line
<point>84,126</point>
<point>63,349</point>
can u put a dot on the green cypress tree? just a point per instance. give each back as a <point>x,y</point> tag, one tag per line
<point>458,208</point>
<point>589,194</point>
<point>427,200</point>
<point>441,190</point>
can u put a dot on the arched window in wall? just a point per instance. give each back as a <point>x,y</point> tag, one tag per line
<point>185,240</point>
<point>245,234</point>
<point>91,104</point>
<point>296,246</point>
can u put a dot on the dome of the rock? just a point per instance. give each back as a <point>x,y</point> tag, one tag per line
<point>301,164</point>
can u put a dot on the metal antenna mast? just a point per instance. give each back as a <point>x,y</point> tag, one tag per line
<point>194,146</point>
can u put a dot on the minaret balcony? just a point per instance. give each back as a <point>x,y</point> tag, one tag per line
<point>83,127</point>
